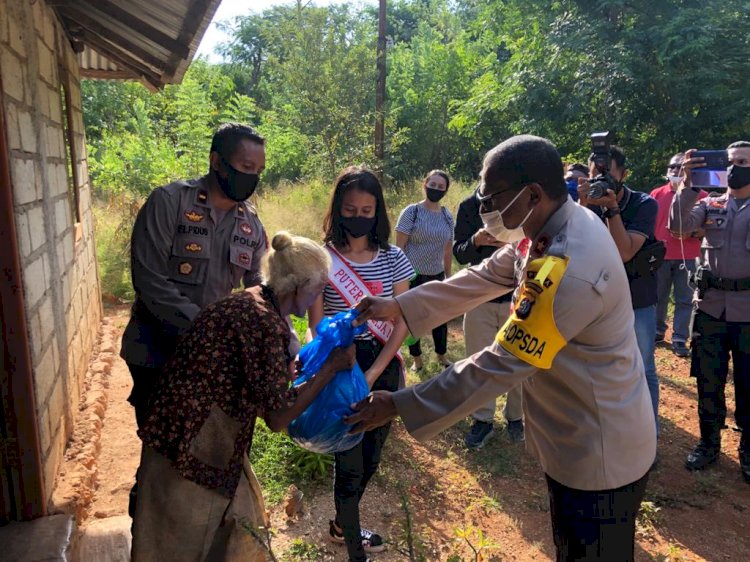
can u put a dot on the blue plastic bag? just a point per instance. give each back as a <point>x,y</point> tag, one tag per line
<point>320,428</point>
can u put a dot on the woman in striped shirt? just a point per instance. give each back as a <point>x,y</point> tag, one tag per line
<point>425,233</point>
<point>356,232</point>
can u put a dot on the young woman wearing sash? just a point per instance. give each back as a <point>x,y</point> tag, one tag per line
<point>356,233</point>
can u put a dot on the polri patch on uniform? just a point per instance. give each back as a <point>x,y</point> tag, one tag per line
<point>193,216</point>
<point>193,247</point>
<point>246,228</point>
<point>186,268</point>
<point>244,258</point>
<point>524,308</point>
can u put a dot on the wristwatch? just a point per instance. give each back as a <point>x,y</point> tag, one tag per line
<point>609,213</point>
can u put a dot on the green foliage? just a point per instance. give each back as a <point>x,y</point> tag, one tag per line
<point>302,551</point>
<point>113,222</point>
<point>278,462</point>
<point>462,76</point>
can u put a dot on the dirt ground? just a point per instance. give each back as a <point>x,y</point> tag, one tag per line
<point>429,494</point>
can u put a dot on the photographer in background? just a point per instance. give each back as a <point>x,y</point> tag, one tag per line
<point>679,264</point>
<point>722,319</point>
<point>630,217</point>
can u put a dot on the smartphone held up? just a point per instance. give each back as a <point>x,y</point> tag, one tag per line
<point>712,176</point>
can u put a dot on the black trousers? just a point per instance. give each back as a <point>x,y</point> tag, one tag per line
<point>439,334</point>
<point>595,525</point>
<point>144,382</point>
<point>713,341</point>
<point>354,468</point>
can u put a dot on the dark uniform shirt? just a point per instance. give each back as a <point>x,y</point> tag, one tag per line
<point>638,212</point>
<point>725,248</point>
<point>232,366</point>
<point>184,258</point>
<point>468,222</point>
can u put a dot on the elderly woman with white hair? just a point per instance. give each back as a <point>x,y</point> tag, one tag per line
<point>198,498</point>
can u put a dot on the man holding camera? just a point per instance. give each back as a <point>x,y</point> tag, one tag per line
<point>720,323</point>
<point>679,264</point>
<point>630,217</point>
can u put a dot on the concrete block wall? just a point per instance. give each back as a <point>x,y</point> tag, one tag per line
<point>61,285</point>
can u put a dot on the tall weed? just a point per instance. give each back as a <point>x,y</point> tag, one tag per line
<point>297,207</point>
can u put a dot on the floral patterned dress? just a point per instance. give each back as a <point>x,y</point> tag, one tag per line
<point>232,366</point>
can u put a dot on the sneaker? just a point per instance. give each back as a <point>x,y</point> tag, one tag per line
<point>417,365</point>
<point>371,542</point>
<point>680,349</point>
<point>478,435</point>
<point>702,456</point>
<point>515,431</point>
<point>443,361</point>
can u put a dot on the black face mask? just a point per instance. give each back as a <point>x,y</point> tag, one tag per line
<point>738,176</point>
<point>358,226</point>
<point>238,186</point>
<point>435,195</point>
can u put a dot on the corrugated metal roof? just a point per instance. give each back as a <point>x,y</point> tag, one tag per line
<point>142,39</point>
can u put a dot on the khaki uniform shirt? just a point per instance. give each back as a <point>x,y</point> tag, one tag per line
<point>589,419</point>
<point>184,258</point>
<point>725,248</point>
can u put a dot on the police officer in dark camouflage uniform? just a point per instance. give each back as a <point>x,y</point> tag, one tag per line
<point>193,242</point>
<point>721,324</point>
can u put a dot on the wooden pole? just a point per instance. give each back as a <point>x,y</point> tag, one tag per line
<point>380,88</point>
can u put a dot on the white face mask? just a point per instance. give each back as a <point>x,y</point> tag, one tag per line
<point>674,180</point>
<point>493,223</point>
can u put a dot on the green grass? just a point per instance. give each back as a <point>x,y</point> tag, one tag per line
<point>296,207</point>
<point>278,462</point>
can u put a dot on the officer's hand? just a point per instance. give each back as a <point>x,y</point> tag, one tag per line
<point>483,238</point>
<point>687,166</point>
<point>375,410</point>
<point>608,200</point>
<point>377,308</point>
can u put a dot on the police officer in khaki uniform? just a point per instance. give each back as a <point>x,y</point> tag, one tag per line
<point>721,322</point>
<point>193,242</point>
<point>570,342</point>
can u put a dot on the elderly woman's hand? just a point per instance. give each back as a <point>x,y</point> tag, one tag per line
<point>340,359</point>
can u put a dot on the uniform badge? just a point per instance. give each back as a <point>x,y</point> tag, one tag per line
<point>246,228</point>
<point>203,196</point>
<point>193,216</point>
<point>719,222</point>
<point>244,258</point>
<point>524,308</point>
<point>186,268</point>
<point>193,247</point>
<point>541,245</point>
<point>708,221</point>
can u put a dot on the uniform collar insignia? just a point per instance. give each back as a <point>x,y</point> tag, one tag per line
<point>555,224</point>
<point>201,197</point>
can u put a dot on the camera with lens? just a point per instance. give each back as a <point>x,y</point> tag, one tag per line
<point>600,156</point>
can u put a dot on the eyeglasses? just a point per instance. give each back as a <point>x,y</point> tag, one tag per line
<point>485,201</point>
